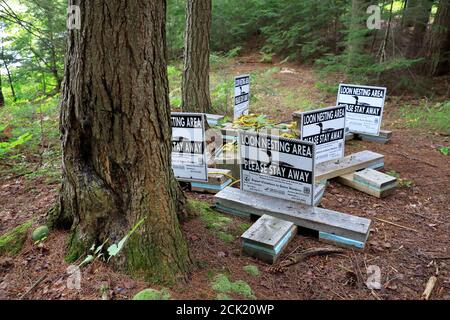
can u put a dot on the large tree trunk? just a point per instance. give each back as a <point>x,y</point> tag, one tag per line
<point>416,17</point>
<point>438,48</point>
<point>195,85</point>
<point>116,139</point>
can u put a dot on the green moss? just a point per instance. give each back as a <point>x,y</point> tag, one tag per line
<point>210,217</point>
<point>40,233</point>
<point>75,248</point>
<point>213,220</point>
<point>152,264</point>
<point>152,294</point>
<point>225,237</point>
<point>12,241</point>
<point>223,285</point>
<point>223,296</point>
<point>241,228</point>
<point>252,270</point>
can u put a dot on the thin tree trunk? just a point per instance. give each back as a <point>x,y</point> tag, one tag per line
<point>2,97</point>
<point>195,84</point>
<point>438,48</point>
<point>116,133</point>
<point>10,80</point>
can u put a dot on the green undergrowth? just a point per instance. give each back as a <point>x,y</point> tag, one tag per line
<point>152,294</point>
<point>12,241</point>
<point>223,227</point>
<point>434,117</point>
<point>251,270</point>
<point>223,286</point>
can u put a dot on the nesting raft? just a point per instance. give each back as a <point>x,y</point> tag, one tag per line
<point>243,203</point>
<point>370,181</point>
<point>267,238</point>
<point>218,179</point>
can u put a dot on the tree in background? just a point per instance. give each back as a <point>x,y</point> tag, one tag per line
<point>39,35</point>
<point>195,83</point>
<point>116,139</point>
<point>415,19</point>
<point>357,33</point>
<point>2,97</point>
<point>438,46</point>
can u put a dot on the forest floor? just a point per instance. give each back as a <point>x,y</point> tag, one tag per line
<point>407,257</point>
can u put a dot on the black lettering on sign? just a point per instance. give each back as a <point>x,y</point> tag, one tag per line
<point>186,121</point>
<point>280,145</point>
<point>363,92</point>
<point>369,110</point>
<point>321,116</point>
<point>326,137</point>
<point>191,147</point>
<point>241,81</point>
<point>241,99</point>
<point>278,169</point>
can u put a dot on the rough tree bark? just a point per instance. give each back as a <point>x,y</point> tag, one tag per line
<point>438,45</point>
<point>195,84</point>
<point>116,133</point>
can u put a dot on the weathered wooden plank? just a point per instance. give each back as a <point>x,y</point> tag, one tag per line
<point>349,136</point>
<point>213,119</point>
<point>268,231</point>
<point>267,238</point>
<point>232,200</point>
<point>340,241</point>
<point>209,188</point>
<point>383,137</point>
<point>349,181</point>
<point>351,163</point>
<point>374,178</point>
<point>218,176</point>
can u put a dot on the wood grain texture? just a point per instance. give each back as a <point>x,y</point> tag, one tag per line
<point>319,219</point>
<point>351,163</point>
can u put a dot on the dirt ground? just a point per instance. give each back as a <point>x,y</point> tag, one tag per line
<point>407,257</point>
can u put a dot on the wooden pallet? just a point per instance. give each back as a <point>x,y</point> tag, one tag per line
<point>370,181</point>
<point>267,238</point>
<point>243,203</point>
<point>351,163</point>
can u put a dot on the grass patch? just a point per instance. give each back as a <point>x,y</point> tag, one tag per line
<point>435,117</point>
<point>12,241</point>
<point>219,224</point>
<point>252,270</point>
<point>223,285</point>
<point>406,183</point>
<point>152,294</point>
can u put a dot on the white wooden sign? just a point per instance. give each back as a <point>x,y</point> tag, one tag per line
<point>189,159</point>
<point>326,129</point>
<point>364,107</point>
<point>277,167</point>
<point>241,95</point>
